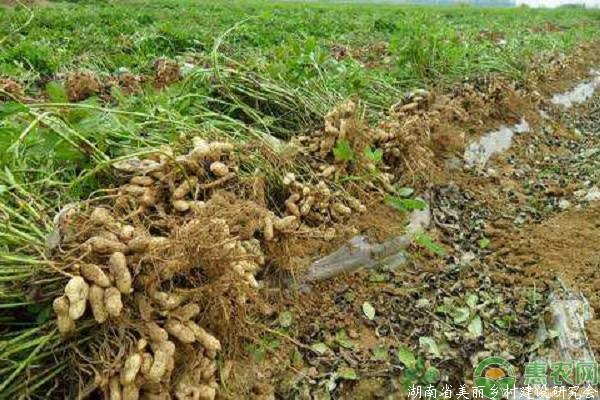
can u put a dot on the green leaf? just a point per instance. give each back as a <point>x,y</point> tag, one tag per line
<point>502,323</point>
<point>297,359</point>
<point>404,205</point>
<point>285,319</point>
<point>505,321</point>
<point>320,348</point>
<point>272,344</point>
<point>349,296</point>
<point>553,333</point>
<point>405,191</point>
<point>341,337</point>
<point>43,313</point>
<point>258,353</point>
<point>342,151</point>
<point>536,297</point>
<point>429,344</point>
<point>475,326</point>
<point>483,243</point>
<point>369,310</point>
<point>472,300</point>
<point>380,353</point>
<point>431,375</point>
<point>347,373</point>
<point>406,357</point>
<point>443,309</point>
<point>460,314</point>
<point>373,155</point>
<point>378,277</point>
<point>12,107</point>
<point>424,240</point>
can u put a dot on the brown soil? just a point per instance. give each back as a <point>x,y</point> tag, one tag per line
<point>567,247</point>
<point>555,245</point>
<point>199,248</point>
<point>521,259</point>
<point>559,73</point>
<point>127,82</point>
<point>12,89</point>
<point>166,73</point>
<point>82,84</point>
<point>373,55</point>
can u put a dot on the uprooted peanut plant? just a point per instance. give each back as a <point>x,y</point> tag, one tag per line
<point>171,259</point>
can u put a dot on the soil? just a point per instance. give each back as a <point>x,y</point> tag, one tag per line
<point>11,88</point>
<point>567,247</point>
<point>561,251</point>
<point>503,238</point>
<point>559,73</point>
<point>515,232</point>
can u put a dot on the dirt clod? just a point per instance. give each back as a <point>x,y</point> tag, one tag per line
<point>82,84</point>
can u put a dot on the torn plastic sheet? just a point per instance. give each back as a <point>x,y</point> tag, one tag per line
<point>579,94</point>
<point>478,153</point>
<point>569,311</point>
<point>358,253</point>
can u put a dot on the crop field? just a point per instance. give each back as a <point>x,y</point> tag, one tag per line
<point>260,200</point>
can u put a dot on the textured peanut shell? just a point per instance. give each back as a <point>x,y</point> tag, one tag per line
<point>94,274</point>
<point>118,268</point>
<point>77,291</point>
<point>113,302</point>
<point>130,369</point>
<point>96,298</point>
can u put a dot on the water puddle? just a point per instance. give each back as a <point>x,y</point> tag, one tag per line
<point>478,154</point>
<point>579,94</point>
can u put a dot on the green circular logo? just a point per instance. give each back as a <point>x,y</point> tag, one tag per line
<point>494,376</point>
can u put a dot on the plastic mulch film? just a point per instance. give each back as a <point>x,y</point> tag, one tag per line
<point>358,253</point>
